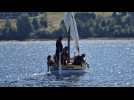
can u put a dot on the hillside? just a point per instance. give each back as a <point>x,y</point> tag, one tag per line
<point>53,19</point>
<point>49,25</point>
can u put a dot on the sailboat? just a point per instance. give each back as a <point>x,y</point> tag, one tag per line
<point>72,32</point>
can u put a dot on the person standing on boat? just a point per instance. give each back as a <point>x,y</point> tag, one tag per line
<point>59,48</point>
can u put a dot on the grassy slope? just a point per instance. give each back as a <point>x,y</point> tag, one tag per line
<point>54,19</point>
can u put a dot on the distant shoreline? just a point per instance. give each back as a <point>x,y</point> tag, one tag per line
<point>83,39</point>
<point>66,39</point>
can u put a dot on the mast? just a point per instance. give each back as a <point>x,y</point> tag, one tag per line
<point>69,44</point>
<point>72,31</point>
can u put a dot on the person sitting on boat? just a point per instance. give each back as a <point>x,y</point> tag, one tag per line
<point>50,62</point>
<point>64,56</point>
<point>79,60</point>
<point>83,58</point>
<point>59,48</point>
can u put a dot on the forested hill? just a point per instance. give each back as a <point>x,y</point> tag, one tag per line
<point>50,25</point>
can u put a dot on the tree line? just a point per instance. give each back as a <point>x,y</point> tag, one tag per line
<point>119,24</point>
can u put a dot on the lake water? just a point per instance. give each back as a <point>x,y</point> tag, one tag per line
<point>23,64</point>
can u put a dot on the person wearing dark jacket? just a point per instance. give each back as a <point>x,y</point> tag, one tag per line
<point>78,60</point>
<point>59,48</point>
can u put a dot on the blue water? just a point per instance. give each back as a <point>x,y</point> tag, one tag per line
<point>24,64</point>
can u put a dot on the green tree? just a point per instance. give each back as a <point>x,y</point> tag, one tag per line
<point>8,32</point>
<point>35,24</point>
<point>43,20</point>
<point>24,27</point>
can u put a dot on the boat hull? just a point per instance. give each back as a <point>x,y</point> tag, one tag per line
<point>68,70</point>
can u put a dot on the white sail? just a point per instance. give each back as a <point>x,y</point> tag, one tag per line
<point>70,22</point>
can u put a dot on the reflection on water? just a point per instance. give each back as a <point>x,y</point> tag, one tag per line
<point>24,64</point>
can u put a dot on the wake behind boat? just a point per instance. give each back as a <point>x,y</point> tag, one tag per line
<point>63,63</point>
